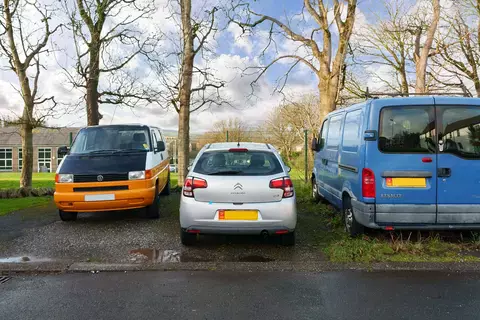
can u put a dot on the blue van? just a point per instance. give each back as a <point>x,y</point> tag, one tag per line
<point>401,163</point>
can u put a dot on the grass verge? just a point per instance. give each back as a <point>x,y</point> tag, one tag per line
<point>322,227</point>
<point>11,180</point>
<point>11,205</point>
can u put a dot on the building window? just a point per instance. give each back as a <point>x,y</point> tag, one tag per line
<point>44,159</point>
<point>20,159</point>
<point>5,159</point>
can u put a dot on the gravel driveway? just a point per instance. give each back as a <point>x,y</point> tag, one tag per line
<point>127,236</point>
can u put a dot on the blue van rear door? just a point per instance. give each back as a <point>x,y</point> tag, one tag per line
<point>404,160</point>
<point>458,121</point>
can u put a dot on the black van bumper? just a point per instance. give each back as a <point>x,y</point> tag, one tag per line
<point>365,215</point>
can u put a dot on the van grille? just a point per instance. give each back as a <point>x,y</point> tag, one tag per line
<point>94,177</point>
<point>106,188</point>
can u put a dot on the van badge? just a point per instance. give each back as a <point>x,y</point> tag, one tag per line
<point>238,186</point>
<point>99,178</point>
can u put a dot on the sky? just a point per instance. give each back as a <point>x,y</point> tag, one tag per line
<point>232,52</point>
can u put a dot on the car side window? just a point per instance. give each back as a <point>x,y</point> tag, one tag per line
<point>154,139</point>
<point>323,135</point>
<point>334,132</point>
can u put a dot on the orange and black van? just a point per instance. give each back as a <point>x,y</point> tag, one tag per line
<point>113,167</point>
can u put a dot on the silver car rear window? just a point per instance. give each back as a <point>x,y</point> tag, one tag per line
<point>242,163</point>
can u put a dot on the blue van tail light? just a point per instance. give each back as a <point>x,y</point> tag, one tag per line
<point>368,183</point>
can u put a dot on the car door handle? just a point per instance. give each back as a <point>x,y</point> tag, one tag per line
<point>444,172</point>
<point>324,161</point>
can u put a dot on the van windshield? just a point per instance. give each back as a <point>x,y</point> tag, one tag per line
<point>248,163</point>
<point>111,139</point>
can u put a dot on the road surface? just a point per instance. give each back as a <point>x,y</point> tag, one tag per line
<point>255,295</point>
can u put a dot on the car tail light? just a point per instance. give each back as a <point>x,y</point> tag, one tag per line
<point>368,183</point>
<point>285,184</point>
<point>238,150</point>
<point>192,184</point>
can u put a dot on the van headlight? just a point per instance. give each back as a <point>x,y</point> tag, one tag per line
<point>64,178</point>
<point>136,175</point>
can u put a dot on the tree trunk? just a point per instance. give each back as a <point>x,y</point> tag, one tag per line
<point>185,92</point>
<point>328,95</point>
<point>476,82</point>
<point>422,55</point>
<point>93,113</point>
<point>404,82</point>
<point>27,155</point>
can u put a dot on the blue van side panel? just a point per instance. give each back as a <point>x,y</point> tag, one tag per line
<point>353,151</point>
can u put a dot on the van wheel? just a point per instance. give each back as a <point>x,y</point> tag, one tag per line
<point>288,239</point>
<point>166,189</point>
<point>352,227</point>
<point>315,195</point>
<point>67,216</point>
<point>187,239</point>
<point>152,210</point>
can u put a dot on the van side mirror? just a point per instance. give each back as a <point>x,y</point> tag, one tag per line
<point>314,145</point>
<point>63,150</point>
<point>160,146</point>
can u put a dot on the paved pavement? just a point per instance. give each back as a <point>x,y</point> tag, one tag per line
<point>255,295</point>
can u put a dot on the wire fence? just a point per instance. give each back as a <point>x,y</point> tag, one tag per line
<point>293,147</point>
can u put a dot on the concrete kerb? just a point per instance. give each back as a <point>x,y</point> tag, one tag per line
<point>314,266</point>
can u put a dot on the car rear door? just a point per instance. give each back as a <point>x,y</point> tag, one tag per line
<point>403,160</point>
<point>458,160</point>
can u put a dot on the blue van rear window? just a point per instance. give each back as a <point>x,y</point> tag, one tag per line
<point>407,130</point>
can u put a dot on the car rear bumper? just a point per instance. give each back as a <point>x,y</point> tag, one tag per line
<point>203,217</point>
<point>365,215</point>
<point>126,199</point>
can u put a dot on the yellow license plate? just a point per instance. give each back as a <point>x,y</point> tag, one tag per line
<point>407,182</point>
<point>238,215</point>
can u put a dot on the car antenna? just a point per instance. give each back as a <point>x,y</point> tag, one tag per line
<point>238,144</point>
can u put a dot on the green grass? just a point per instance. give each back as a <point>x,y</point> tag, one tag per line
<point>11,205</point>
<point>11,180</point>
<point>320,226</point>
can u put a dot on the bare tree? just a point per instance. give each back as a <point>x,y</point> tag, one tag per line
<point>100,29</point>
<point>23,45</point>
<point>286,124</point>
<point>387,43</point>
<point>234,129</point>
<point>461,60</point>
<point>188,79</point>
<point>329,69</point>
<point>422,52</point>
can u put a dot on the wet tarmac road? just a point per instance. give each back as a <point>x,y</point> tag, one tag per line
<point>256,295</point>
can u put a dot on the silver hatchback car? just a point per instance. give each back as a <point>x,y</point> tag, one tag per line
<point>238,188</point>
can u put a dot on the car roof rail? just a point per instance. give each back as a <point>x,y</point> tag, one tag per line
<point>376,95</point>
<point>268,146</point>
<point>208,146</point>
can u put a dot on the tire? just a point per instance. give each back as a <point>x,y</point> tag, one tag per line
<point>166,189</point>
<point>67,216</point>
<point>288,240</point>
<point>187,239</point>
<point>352,227</point>
<point>152,210</point>
<point>315,196</point>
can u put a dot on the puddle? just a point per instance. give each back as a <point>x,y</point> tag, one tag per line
<point>22,259</point>
<point>152,255</point>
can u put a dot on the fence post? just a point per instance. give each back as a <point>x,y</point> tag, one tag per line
<point>227,135</point>
<point>71,138</point>
<point>305,147</point>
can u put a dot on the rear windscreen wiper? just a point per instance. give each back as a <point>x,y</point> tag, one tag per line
<point>219,173</point>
